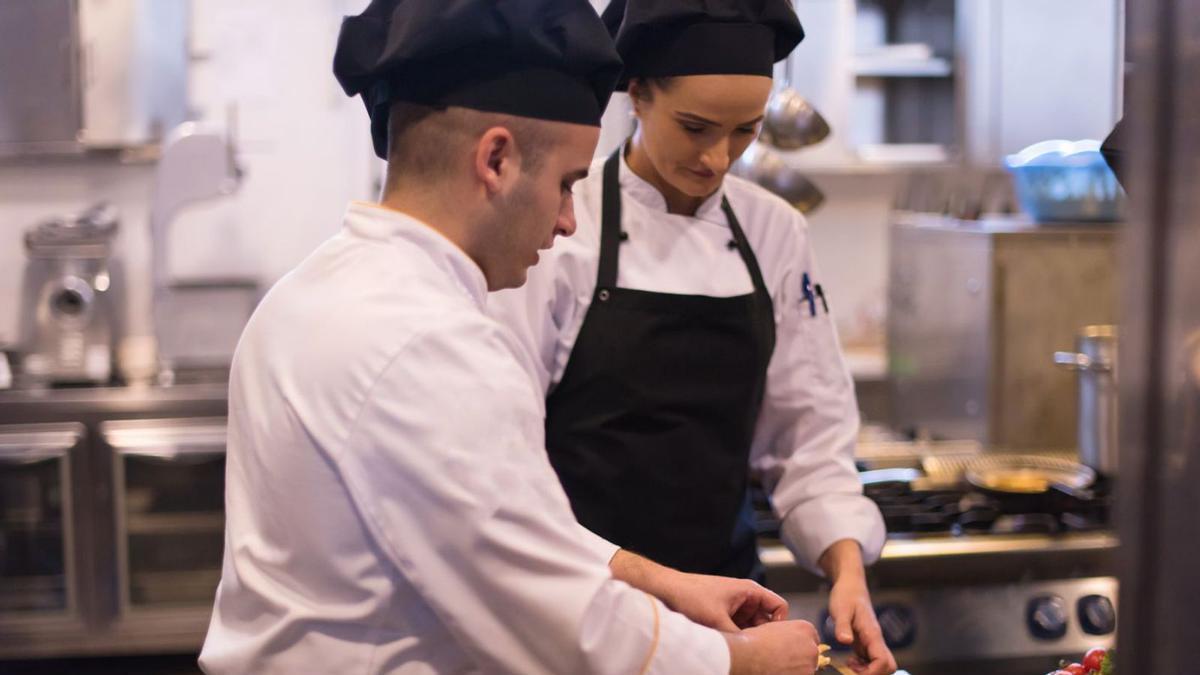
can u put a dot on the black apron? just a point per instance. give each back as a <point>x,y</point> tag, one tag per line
<point>650,427</point>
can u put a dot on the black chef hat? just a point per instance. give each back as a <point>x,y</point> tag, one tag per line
<point>546,59</point>
<point>667,38</point>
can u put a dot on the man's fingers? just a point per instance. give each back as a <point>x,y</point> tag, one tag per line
<point>746,611</point>
<point>726,624</point>
<point>843,629</point>
<point>771,602</point>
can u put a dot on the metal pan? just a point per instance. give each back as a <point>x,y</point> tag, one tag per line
<point>1027,482</point>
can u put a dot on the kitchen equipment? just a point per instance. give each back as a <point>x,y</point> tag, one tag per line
<point>1095,360</point>
<point>63,588</point>
<point>790,121</point>
<point>169,478</point>
<point>197,322</point>
<point>1061,181</point>
<point>759,164</point>
<point>974,308</point>
<point>72,299</point>
<point>1026,483</point>
<point>35,519</point>
<point>85,74</point>
<point>969,581</point>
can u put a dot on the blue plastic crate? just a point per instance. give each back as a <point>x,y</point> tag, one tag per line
<point>1065,181</point>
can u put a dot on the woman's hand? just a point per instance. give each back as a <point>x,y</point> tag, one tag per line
<point>853,616</point>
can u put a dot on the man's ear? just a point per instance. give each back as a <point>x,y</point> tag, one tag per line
<point>496,159</point>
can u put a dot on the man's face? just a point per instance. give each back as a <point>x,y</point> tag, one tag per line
<point>539,207</point>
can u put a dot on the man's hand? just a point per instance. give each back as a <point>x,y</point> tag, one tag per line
<point>850,606</point>
<point>778,648</point>
<point>725,604</point>
<point>717,602</point>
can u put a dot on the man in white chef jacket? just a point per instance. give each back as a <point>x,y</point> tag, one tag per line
<point>390,506</point>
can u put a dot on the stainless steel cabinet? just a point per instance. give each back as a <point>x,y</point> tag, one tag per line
<point>1035,70</point>
<point>169,478</point>
<point>975,311</point>
<point>79,74</point>
<point>37,575</point>
<point>111,519</point>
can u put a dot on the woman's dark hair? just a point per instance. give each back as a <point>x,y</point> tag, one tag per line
<point>650,84</point>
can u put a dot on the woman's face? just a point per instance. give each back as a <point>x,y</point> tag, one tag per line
<point>698,126</point>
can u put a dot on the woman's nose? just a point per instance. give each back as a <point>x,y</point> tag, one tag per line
<point>716,158</point>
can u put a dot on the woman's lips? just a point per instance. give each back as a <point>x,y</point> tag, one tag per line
<point>702,175</point>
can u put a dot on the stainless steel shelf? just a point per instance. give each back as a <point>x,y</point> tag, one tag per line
<point>879,67</point>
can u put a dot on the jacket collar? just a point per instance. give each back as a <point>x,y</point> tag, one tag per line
<point>637,188</point>
<point>377,222</point>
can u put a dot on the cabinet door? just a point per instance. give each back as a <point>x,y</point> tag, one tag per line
<point>39,79</point>
<point>821,69</point>
<point>1037,70</point>
<point>36,575</point>
<point>1059,68</point>
<point>170,492</point>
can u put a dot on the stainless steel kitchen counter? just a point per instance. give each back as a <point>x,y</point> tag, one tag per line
<point>948,561</point>
<point>950,605</point>
<point>96,620</point>
<point>57,404</point>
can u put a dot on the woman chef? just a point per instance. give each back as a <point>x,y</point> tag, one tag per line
<point>682,336</point>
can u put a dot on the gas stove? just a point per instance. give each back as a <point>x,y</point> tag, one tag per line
<point>958,511</point>
<point>970,583</point>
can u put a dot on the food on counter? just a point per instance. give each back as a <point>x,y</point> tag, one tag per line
<point>822,659</point>
<point>1097,661</point>
<point>1017,481</point>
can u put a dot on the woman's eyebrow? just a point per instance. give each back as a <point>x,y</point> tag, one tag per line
<point>692,117</point>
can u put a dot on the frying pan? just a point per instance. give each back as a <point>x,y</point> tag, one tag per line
<point>1029,481</point>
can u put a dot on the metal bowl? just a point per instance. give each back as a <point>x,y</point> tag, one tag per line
<point>759,164</point>
<point>791,123</point>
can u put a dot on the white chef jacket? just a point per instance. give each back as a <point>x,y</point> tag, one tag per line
<point>390,506</point>
<point>804,442</point>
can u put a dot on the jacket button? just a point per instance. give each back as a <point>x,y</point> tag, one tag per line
<point>604,295</point>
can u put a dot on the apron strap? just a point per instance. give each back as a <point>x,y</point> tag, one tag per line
<point>610,224</point>
<point>743,246</point>
<point>610,235</point>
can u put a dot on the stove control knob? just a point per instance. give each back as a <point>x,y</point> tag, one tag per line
<point>899,625</point>
<point>1046,616</point>
<point>828,630</point>
<point>1096,615</point>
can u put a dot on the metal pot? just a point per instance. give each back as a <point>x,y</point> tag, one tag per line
<point>790,121</point>
<point>1095,359</point>
<point>759,164</point>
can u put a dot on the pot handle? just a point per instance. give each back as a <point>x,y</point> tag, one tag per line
<point>1077,361</point>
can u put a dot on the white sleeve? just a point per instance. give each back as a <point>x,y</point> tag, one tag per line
<point>447,470</point>
<point>804,442</point>
<point>535,314</point>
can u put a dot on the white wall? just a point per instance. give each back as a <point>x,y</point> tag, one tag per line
<point>306,151</point>
<point>304,146</point>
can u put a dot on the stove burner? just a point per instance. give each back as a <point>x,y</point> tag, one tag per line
<point>960,512</point>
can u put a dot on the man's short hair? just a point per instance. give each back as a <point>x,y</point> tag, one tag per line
<point>422,140</point>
